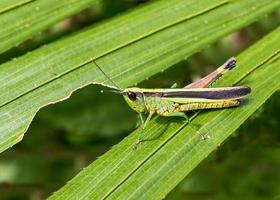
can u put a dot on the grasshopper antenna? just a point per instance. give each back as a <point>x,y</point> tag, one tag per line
<point>108,78</point>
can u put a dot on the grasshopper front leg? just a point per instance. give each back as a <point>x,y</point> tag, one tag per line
<point>148,118</point>
<point>144,124</point>
<point>141,120</point>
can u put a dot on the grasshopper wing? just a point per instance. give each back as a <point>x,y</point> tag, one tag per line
<point>205,94</point>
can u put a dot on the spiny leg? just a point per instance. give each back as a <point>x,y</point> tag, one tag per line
<point>182,114</point>
<point>208,80</point>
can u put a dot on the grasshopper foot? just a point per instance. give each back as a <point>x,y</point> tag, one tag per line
<point>136,145</point>
<point>203,136</point>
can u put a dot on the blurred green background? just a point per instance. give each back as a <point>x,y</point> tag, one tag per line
<point>65,137</point>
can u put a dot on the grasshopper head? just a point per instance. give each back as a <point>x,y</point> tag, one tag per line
<point>135,99</point>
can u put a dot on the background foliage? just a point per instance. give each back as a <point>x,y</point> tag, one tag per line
<point>66,137</point>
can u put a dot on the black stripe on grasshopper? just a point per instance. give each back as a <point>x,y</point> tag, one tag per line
<point>233,92</point>
<point>207,93</point>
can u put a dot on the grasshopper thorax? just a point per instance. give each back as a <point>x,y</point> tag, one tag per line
<point>135,99</point>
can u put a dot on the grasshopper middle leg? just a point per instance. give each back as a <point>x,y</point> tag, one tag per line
<point>182,114</point>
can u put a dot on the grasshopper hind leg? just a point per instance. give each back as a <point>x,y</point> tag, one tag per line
<point>182,114</point>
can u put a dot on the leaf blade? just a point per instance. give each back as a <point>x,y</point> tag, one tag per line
<point>23,19</point>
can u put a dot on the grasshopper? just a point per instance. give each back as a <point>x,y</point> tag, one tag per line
<point>175,102</point>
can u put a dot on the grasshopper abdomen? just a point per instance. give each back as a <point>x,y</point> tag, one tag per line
<point>209,105</point>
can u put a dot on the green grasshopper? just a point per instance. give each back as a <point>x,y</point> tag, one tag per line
<point>175,102</point>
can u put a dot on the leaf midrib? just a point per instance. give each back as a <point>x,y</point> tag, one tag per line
<point>15,6</point>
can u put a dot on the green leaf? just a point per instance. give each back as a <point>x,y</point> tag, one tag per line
<point>23,19</point>
<point>157,166</point>
<point>122,46</point>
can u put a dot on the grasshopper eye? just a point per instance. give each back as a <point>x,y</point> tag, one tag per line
<point>131,96</point>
